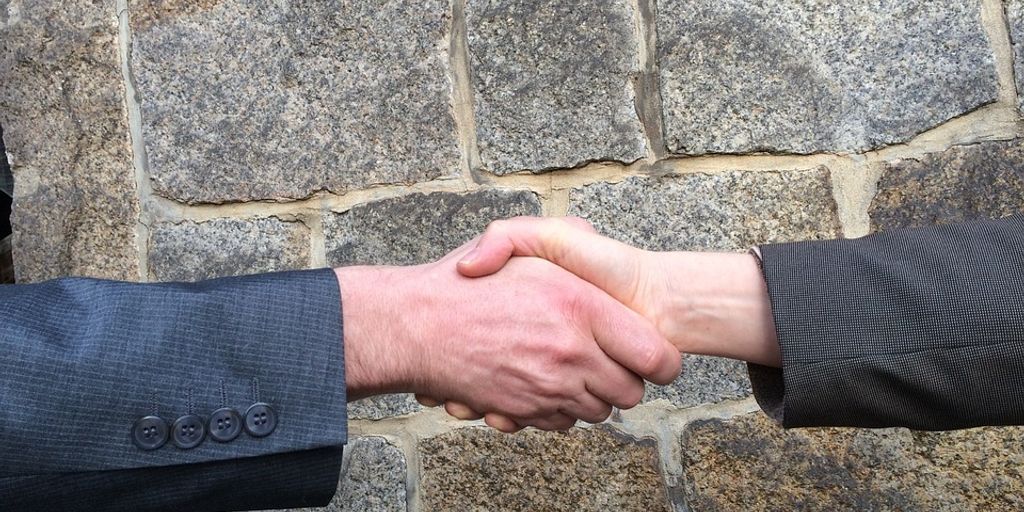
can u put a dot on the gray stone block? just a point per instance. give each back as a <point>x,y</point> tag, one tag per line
<point>848,469</point>
<point>192,251</point>
<point>728,211</point>
<point>962,183</point>
<point>260,99</point>
<point>553,82</point>
<point>583,469</point>
<point>383,406</point>
<point>705,380</point>
<point>62,107</point>
<point>806,76</point>
<point>373,474</point>
<point>418,228</point>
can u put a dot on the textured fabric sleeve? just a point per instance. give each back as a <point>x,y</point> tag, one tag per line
<point>82,359</point>
<point>922,328</point>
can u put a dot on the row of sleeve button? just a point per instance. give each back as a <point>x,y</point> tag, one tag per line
<point>189,431</point>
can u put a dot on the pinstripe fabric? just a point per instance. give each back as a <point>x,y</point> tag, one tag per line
<point>922,328</point>
<point>82,359</point>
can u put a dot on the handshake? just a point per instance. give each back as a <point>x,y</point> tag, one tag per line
<point>542,322</point>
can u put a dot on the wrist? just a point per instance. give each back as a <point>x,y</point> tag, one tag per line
<point>378,355</point>
<point>717,304</point>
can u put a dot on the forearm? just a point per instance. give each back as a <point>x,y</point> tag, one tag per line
<point>716,304</point>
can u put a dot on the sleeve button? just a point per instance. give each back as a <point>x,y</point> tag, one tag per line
<point>260,420</point>
<point>149,433</point>
<point>225,425</point>
<point>188,432</point>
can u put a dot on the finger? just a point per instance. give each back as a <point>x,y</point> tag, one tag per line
<point>427,401</point>
<point>554,422</point>
<point>461,411</point>
<point>612,384</point>
<point>610,265</point>
<point>589,408</point>
<point>632,341</point>
<point>521,236</point>
<point>502,423</point>
<point>579,223</point>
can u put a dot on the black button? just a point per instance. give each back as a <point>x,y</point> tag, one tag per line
<point>260,420</point>
<point>225,424</point>
<point>149,433</point>
<point>188,432</point>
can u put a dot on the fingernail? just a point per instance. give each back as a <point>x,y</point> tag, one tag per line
<point>469,257</point>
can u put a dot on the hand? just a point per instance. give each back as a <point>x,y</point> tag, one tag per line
<point>532,346</point>
<point>704,303</point>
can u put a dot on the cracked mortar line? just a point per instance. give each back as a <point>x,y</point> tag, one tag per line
<point>140,160</point>
<point>647,95</point>
<point>997,28</point>
<point>462,99</point>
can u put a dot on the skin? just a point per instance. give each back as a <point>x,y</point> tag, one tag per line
<point>533,345</point>
<point>704,303</point>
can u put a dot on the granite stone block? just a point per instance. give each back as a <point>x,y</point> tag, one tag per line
<point>379,407</point>
<point>806,76</point>
<point>962,183</point>
<point>704,380</point>
<point>418,228</point>
<point>62,108</point>
<point>750,463</point>
<point>373,474</point>
<point>552,82</point>
<point>193,251</point>
<point>728,211</point>
<point>261,99</point>
<point>580,470</point>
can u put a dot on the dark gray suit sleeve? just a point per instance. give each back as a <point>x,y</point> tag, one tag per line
<point>922,328</point>
<point>82,359</point>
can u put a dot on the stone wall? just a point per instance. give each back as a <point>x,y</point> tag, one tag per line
<point>181,140</point>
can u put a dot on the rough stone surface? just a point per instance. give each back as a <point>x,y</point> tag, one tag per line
<point>62,108</point>
<point>705,380</point>
<point>1015,15</point>
<point>729,211</point>
<point>807,76</point>
<point>963,183</point>
<point>192,251</point>
<point>553,82</point>
<point>382,406</point>
<point>418,228</point>
<point>265,99</point>
<point>373,474</point>
<point>749,463</point>
<point>409,230</point>
<point>584,469</point>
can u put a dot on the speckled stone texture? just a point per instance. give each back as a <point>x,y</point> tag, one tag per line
<point>409,230</point>
<point>705,380</point>
<point>373,475</point>
<point>418,228</point>
<point>749,463</point>
<point>62,107</point>
<point>263,99</point>
<point>192,251</point>
<point>596,469</point>
<point>808,76</point>
<point>963,183</point>
<point>553,82</point>
<point>1015,15</point>
<point>728,211</point>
